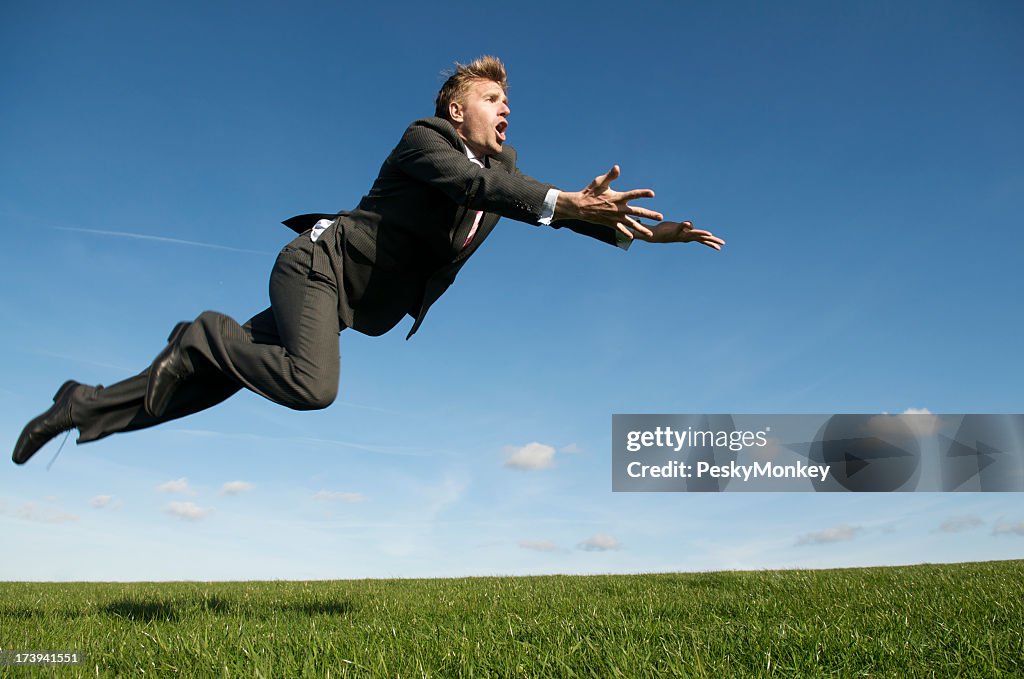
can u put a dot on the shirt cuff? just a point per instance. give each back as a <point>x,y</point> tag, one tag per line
<point>622,240</point>
<point>547,211</point>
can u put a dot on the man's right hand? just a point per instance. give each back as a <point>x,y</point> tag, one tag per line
<point>599,204</point>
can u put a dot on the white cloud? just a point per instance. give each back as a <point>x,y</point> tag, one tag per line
<point>842,533</point>
<point>531,456</point>
<point>337,496</point>
<point>179,486</point>
<point>101,501</point>
<point>1005,528</point>
<point>958,524</point>
<point>187,510</point>
<point>236,487</point>
<point>538,545</point>
<point>600,543</point>
<point>922,421</point>
<point>571,448</point>
<point>30,512</point>
<point>888,427</point>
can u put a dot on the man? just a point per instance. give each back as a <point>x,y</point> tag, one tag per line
<point>437,197</point>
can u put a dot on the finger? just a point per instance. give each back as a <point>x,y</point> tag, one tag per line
<point>635,194</point>
<point>603,181</point>
<point>639,227</point>
<point>645,213</point>
<point>624,229</point>
<point>701,235</point>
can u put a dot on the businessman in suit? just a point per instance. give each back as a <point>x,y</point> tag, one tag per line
<point>437,197</point>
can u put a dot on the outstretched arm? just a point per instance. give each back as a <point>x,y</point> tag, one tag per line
<point>599,204</point>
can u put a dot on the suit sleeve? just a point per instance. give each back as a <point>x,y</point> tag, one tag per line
<point>426,155</point>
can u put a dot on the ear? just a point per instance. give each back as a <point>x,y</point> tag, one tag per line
<point>455,112</point>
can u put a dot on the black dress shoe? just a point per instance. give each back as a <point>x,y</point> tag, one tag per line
<point>168,371</point>
<point>56,420</point>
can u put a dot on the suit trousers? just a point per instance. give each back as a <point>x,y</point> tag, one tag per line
<point>287,353</point>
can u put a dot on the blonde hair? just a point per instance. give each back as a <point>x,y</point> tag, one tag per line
<point>458,83</point>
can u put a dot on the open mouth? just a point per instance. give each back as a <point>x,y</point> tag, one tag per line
<point>500,129</point>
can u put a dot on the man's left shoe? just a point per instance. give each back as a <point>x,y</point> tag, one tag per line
<point>168,371</point>
<point>56,420</point>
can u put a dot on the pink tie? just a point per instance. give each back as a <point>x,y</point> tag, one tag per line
<point>479,214</point>
<point>472,230</point>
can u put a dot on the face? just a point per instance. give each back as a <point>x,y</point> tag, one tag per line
<point>482,118</point>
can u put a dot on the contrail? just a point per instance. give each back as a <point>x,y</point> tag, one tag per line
<point>405,451</point>
<point>161,239</point>
<point>76,359</point>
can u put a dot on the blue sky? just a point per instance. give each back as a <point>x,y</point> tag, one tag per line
<point>865,163</point>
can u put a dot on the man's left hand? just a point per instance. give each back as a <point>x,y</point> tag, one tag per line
<point>680,232</point>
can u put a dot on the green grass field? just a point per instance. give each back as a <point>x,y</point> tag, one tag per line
<point>920,621</point>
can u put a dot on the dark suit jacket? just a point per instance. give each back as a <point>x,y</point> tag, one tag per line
<point>400,249</point>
